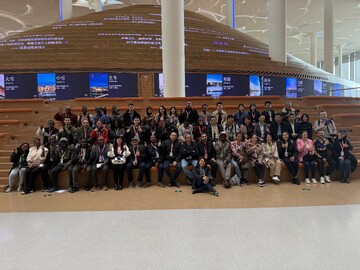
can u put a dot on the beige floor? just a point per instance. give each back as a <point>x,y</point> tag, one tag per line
<point>283,195</point>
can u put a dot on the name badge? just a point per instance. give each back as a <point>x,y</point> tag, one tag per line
<point>61,161</point>
<point>286,154</point>
<point>342,153</point>
<point>206,156</point>
<point>171,154</point>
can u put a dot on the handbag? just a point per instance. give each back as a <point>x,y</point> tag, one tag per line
<point>119,160</point>
<point>244,163</point>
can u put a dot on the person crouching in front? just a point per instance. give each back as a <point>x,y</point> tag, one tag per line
<point>202,175</point>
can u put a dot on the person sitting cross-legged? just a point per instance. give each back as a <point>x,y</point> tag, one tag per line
<point>202,175</point>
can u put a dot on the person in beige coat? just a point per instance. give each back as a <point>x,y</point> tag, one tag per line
<point>271,158</point>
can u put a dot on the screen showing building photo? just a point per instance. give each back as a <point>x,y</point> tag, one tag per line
<point>338,89</point>
<point>255,85</point>
<point>291,87</point>
<point>99,85</point>
<point>46,85</point>
<point>318,87</point>
<point>214,83</point>
<point>2,86</point>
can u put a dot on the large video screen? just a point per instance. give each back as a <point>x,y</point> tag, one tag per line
<point>338,90</point>
<point>318,88</point>
<point>99,85</point>
<point>71,85</point>
<point>123,85</point>
<point>46,86</point>
<point>2,86</point>
<point>274,86</point>
<point>291,87</point>
<point>20,86</point>
<point>255,85</point>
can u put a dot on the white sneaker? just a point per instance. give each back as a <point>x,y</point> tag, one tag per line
<point>322,180</point>
<point>276,179</point>
<point>327,178</point>
<point>307,181</point>
<point>313,180</point>
<point>8,190</point>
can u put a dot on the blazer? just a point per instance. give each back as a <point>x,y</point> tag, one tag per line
<point>291,149</point>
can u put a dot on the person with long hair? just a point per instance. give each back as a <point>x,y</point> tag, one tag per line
<point>19,166</point>
<point>174,116</point>
<point>149,115</point>
<point>253,114</point>
<point>288,154</point>
<point>305,124</point>
<point>306,153</point>
<point>239,158</point>
<point>118,153</point>
<point>341,153</point>
<point>202,175</point>
<point>161,116</point>
<point>247,129</point>
<point>271,158</point>
<point>199,129</point>
<point>255,153</point>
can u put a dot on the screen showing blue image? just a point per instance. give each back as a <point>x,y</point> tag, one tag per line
<point>291,87</point>
<point>255,85</point>
<point>326,88</point>
<point>2,86</point>
<point>318,88</point>
<point>214,85</point>
<point>46,85</point>
<point>305,87</point>
<point>274,86</point>
<point>71,85</point>
<point>99,84</point>
<point>123,85</point>
<point>338,90</point>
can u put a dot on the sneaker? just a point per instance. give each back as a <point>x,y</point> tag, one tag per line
<point>130,185</point>
<point>226,183</point>
<point>44,189</point>
<point>147,184</point>
<point>138,185</point>
<point>160,184</point>
<point>8,190</point>
<point>86,188</point>
<point>19,189</point>
<point>177,184</point>
<point>94,189</point>
<point>215,193</point>
<point>71,190</point>
<point>22,192</point>
<point>276,179</point>
<point>105,188</point>
<point>244,181</point>
<point>347,181</point>
<point>327,178</point>
<point>313,180</point>
<point>120,187</point>
<point>322,180</point>
<point>261,183</point>
<point>307,181</point>
<point>194,191</point>
<point>52,189</point>
<point>75,189</point>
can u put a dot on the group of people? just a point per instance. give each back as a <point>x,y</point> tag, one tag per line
<point>197,143</point>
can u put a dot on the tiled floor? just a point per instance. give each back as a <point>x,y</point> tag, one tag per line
<point>325,237</point>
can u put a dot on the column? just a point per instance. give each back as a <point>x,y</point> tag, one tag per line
<point>340,53</point>
<point>230,14</point>
<point>66,11</point>
<point>313,48</point>
<point>98,5</point>
<point>329,36</point>
<point>173,50</point>
<point>277,30</point>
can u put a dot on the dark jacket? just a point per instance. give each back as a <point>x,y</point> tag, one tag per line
<point>165,150</point>
<point>103,151</point>
<point>296,127</point>
<point>269,116</point>
<point>291,149</point>
<point>337,148</point>
<point>76,158</point>
<point>254,118</point>
<point>210,150</point>
<point>65,155</point>
<point>210,135</point>
<point>306,126</point>
<point>198,176</point>
<point>128,121</point>
<point>141,158</point>
<point>15,159</point>
<point>167,130</point>
<point>192,115</point>
<point>188,152</point>
<point>153,153</point>
<point>274,130</point>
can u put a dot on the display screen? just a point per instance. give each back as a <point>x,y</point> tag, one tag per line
<point>46,86</point>
<point>235,85</point>
<point>71,85</point>
<point>318,88</point>
<point>338,90</point>
<point>305,88</point>
<point>18,86</point>
<point>274,86</point>
<point>291,88</point>
<point>214,85</point>
<point>99,85</point>
<point>2,86</point>
<point>255,85</point>
<point>123,85</point>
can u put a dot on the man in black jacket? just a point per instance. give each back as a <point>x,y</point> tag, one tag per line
<point>137,159</point>
<point>188,155</point>
<point>277,127</point>
<point>189,113</point>
<point>170,150</point>
<point>207,150</point>
<point>100,162</point>
<point>130,115</point>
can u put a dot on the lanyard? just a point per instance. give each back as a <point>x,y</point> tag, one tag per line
<point>119,150</point>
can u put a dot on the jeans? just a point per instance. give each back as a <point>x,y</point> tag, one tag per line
<point>13,176</point>
<point>200,186</point>
<point>56,170</point>
<point>172,176</point>
<point>293,166</point>
<point>344,169</point>
<point>309,165</point>
<point>160,168</point>
<point>185,168</point>
<point>321,166</point>
<point>238,170</point>
<point>259,170</point>
<point>130,166</point>
<point>225,169</point>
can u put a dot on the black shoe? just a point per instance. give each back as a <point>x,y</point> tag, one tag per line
<point>215,193</point>
<point>75,189</point>
<point>86,188</point>
<point>115,186</point>
<point>44,189</point>
<point>297,181</point>
<point>120,187</point>
<point>212,182</point>
<point>177,184</point>
<point>347,181</point>
<point>244,181</point>
<point>194,191</point>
